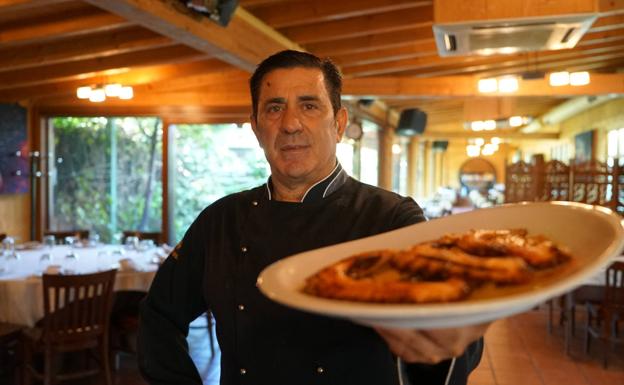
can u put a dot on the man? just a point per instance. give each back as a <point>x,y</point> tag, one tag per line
<point>308,202</point>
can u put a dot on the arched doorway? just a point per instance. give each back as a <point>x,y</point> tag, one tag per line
<point>477,174</point>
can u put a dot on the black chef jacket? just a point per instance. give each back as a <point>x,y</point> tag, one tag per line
<point>215,268</point>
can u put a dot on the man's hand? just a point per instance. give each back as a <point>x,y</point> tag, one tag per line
<point>431,346</point>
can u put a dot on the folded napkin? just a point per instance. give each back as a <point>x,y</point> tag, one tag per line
<point>52,270</point>
<point>127,264</point>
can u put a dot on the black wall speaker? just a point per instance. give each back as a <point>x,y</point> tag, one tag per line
<point>441,145</point>
<point>411,122</point>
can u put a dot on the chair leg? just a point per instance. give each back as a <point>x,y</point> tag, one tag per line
<point>105,360</point>
<point>573,318</point>
<point>587,333</point>
<point>550,315</point>
<point>47,367</point>
<point>605,340</point>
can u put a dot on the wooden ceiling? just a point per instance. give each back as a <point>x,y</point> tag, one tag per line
<point>190,69</point>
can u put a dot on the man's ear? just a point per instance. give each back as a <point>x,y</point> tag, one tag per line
<point>252,120</point>
<point>342,117</point>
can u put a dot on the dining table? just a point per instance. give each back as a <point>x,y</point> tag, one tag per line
<point>21,292</point>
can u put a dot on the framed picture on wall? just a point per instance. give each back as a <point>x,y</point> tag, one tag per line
<point>584,144</point>
<point>13,150</point>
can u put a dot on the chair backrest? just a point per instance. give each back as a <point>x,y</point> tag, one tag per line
<point>154,236</point>
<point>614,293</point>
<point>2,236</point>
<point>77,307</point>
<point>61,235</point>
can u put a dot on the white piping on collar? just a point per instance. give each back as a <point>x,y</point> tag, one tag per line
<point>332,182</point>
<point>399,363</point>
<point>450,372</point>
<point>268,188</point>
<point>320,181</point>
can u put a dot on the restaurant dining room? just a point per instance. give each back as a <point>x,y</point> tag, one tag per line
<point>121,121</point>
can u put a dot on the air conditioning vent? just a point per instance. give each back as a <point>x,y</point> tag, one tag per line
<point>511,36</point>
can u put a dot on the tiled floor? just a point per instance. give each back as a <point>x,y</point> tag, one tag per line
<point>518,351</point>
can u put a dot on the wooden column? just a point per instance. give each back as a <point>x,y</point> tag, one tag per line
<point>386,139</point>
<point>413,159</point>
<point>37,137</point>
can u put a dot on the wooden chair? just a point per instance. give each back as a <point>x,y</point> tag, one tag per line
<point>61,235</point>
<point>76,318</point>
<point>2,236</point>
<point>602,321</point>
<point>154,236</point>
<point>9,339</point>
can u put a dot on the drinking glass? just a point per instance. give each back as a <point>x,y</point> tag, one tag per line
<point>49,241</point>
<point>132,242</point>
<point>70,264</point>
<point>45,260</point>
<point>103,260</point>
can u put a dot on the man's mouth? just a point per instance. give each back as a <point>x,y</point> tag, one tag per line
<point>294,147</point>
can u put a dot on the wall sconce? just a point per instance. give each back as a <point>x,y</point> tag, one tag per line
<point>99,93</point>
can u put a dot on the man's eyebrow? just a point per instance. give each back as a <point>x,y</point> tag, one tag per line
<point>306,98</point>
<point>275,100</point>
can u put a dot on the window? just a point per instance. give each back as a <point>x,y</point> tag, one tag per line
<point>399,165</point>
<point>369,150</point>
<point>211,161</point>
<point>615,145</point>
<point>105,175</point>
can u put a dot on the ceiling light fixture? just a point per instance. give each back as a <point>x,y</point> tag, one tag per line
<point>99,93</point>
<point>508,84</point>
<point>579,78</point>
<point>488,85</point>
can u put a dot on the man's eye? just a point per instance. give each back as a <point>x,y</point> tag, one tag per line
<point>309,106</point>
<point>274,108</point>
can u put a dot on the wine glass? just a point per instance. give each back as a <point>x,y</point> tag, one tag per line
<point>70,264</point>
<point>49,241</point>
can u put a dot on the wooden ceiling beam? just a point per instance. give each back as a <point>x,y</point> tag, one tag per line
<point>151,75</point>
<point>360,26</point>
<point>251,4</point>
<point>84,68</point>
<point>610,7</point>
<point>553,63</point>
<point>503,134</point>
<point>495,62</point>
<point>466,86</point>
<point>99,44</point>
<point>59,26</point>
<point>244,43</point>
<point>11,6</point>
<point>368,43</point>
<point>207,98</point>
<point>308,12</point>
<point>389,54</point>
<point>173,114</point>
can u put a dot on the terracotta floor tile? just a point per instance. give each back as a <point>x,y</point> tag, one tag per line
<point>515,377</point>
<point>481,377</point>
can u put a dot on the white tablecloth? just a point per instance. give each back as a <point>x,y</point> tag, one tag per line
<point>21,293</point>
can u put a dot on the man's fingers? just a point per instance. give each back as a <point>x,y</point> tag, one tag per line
<point>413,346</point>
<point>431,346</point>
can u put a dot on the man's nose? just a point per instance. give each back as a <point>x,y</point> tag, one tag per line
<point>290,120</point>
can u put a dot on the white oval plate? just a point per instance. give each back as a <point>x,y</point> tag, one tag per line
<point>594,235</point>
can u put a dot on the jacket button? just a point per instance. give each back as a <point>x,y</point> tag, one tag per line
<point>241,307</point>
<point>244,249</point>
<point>254,203</point>
<point>243,371</point>
<point>320,370</point>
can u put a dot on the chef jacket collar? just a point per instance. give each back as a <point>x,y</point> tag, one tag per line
<point>320,189</point>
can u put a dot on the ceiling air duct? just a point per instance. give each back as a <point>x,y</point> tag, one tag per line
<point>487,27</point>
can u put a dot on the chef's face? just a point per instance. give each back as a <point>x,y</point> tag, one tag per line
<point>296,126</point>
